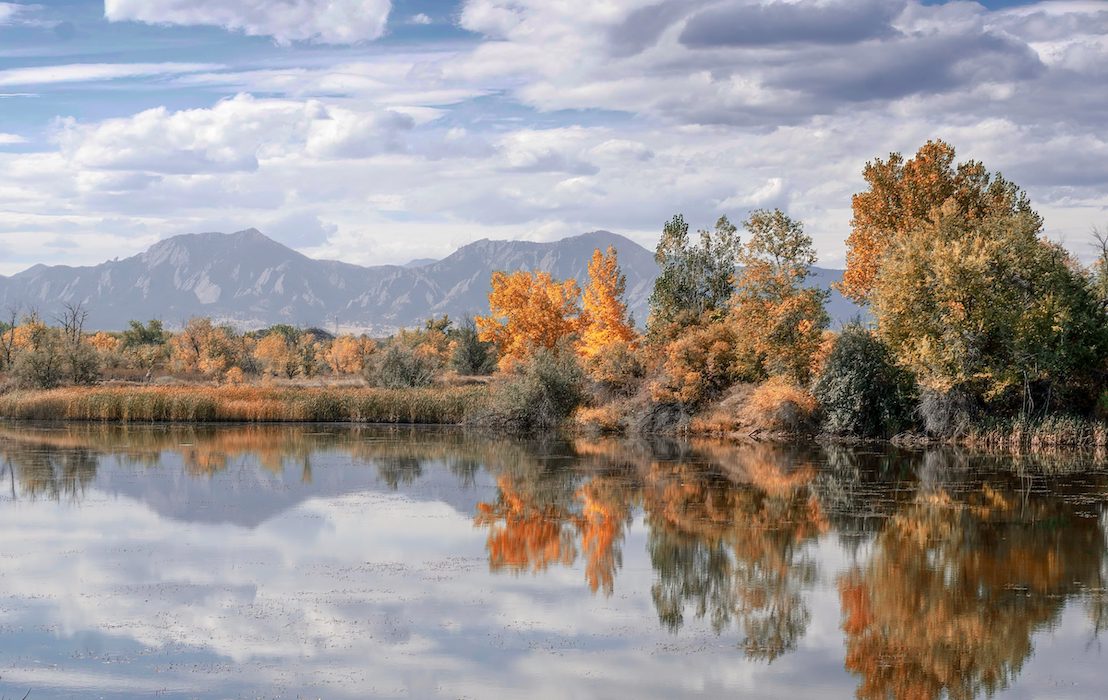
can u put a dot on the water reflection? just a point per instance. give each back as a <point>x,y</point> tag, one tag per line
<point>946,575</point>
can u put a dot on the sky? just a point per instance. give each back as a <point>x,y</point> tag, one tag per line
<point>377,132</point>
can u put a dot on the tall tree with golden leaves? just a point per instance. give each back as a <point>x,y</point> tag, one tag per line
<point>905,195</point>
<point>529,310</point>
<point>605,318</point>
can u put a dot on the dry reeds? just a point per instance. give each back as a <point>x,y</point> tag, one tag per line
<point>442,405</point>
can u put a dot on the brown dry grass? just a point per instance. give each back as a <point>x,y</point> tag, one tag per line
<point>438,405</point>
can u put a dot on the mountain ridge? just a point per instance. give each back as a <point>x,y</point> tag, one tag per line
<point>250,280</point>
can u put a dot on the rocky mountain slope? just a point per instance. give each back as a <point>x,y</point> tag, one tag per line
<point>252,281</point>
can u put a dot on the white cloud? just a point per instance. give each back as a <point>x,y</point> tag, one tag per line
<point>324,21</point>
<point>11,139</point>
<point>88,72</point>
<point>420,18</point>
<point>234,135</point>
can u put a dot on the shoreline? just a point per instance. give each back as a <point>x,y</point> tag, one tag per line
<point>462,406</point>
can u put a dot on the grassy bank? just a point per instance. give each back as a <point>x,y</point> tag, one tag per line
<point>437,405</point>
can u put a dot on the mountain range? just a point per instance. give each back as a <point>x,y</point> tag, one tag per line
<point>252,281</point>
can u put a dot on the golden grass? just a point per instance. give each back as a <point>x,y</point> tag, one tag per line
<point>436,405</point>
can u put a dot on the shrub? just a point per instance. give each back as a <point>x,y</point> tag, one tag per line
<point>618,370</point>
<point>861,391</point>
<point>947,413</point>
<point>541,394</point>
<point>41,365</point>
<point>779,406</point>
<point>82,364</point>
<point>400,367</point>
<point>698,366</point>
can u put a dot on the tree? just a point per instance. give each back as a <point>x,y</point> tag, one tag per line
<point>606,321</point>
<point>904,195</point>
<point>861,390</point>
<point>693,279</point>
<point>40,361</point>
<point>81,361</point>
<point>472,356</point>
<point>779,320</point>
<point>528,310</point>
<point>138,334</point>
<point>985,308</point>
<point>7,337</point>
<point>1100,266</point>
<point>347,354</point>
<point>277,355</point>
<point>204,347</point>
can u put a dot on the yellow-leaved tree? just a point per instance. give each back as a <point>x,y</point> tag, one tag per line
<point>905,195</point>
<point>605,318</point>
<point>528,310</point>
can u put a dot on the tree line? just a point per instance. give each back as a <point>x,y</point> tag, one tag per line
<point>974,316</point>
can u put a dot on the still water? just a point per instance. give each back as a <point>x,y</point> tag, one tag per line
<point>263,562</point>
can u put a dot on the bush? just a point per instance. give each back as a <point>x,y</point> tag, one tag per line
<point>401,367</point>
<point>541,394</point>
<point>472,356</point>
<point>82,365</point>
<point>778,406</point>
<point>698,366</point>
<point>948,413</point>
<point>42,365</point>
<point>861,391</point>
<point>618,370</point>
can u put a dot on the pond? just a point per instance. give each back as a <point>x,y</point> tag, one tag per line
<point>335,562</point>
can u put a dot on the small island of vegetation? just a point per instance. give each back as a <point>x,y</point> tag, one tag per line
<point>981,330</point>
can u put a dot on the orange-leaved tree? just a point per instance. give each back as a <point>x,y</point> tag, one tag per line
<point>605,317</point>
<point>904,195</point>
<point>529,310</point>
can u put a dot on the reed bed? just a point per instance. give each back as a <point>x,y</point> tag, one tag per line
<point>199,404</point>
<point>1049,432</point>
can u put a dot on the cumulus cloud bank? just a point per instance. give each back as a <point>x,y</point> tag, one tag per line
<point>540,119</point>
<point>326,21</point>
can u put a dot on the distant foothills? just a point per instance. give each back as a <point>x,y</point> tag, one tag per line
<point>251,281</point>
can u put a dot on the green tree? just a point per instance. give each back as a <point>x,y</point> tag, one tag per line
<point>472,356</point>
<point>985,308</point>
<point>137,334</point>
<point>694,278</point>
<point>862,392</point>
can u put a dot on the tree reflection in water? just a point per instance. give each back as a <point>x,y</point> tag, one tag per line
<point>728,540</point>
<point>958,581</point>
<point>957,561</point>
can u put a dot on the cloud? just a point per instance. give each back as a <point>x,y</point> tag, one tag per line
<point>233,136</point>
<point>764,24</point>
<point>11,139</point>
<point>420,18</point>
<point>286,21</point>
<point>90,72</point>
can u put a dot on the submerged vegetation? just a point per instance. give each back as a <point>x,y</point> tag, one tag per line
<point>981,330</point>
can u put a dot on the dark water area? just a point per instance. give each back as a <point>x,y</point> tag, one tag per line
<point>334,562</point>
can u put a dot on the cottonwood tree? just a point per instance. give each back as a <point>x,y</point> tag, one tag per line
<point>694,279</point>
<point>986,308</point>
<point>82,363</point>
<point>904,195</point>
<point>529,310</point>
<point>606,321</point>
<point>779,320</point>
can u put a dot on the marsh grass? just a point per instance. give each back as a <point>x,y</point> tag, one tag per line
<point>1049,432</point>
<point>438,405</point>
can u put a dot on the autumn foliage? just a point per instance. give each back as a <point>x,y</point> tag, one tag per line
<point>529,310</point>
<point>905,194</point>
<point>606,322</point>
